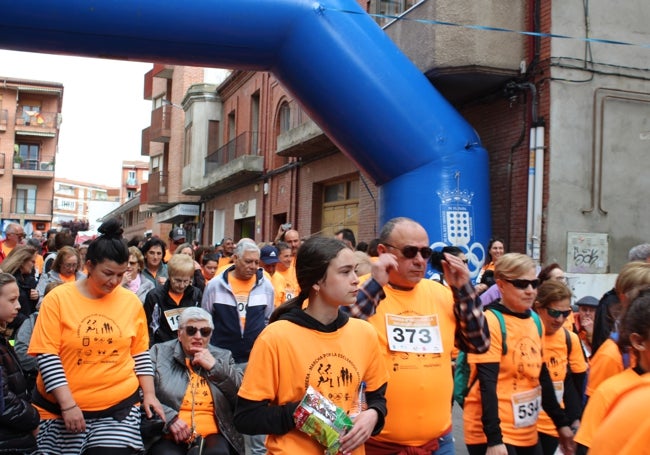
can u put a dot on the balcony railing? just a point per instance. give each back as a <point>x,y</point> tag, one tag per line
<point>146,146</point>
<point>4,119</point>
<point>44,164</point>
<point>248,143</point>
<point>131,183</point>
<point>161,121</point>
<point>25,117</point>
<point>157,187</point>
<point>33,207</point>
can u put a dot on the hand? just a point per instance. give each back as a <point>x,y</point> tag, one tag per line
<point>567,444</point>
<point>381,268</point>
<point>455,271</point>
<point>364,423</point>
<point>33,294</point>
<point>180,430</point>
<point>162,279</point>
<point>152,405</point>
<point>203,358</point>
<point>73,419</point>
<point>127,278</point>
<point>499,449</point>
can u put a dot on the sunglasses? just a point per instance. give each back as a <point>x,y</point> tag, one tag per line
<point>557,313</point>
<point>410,251</point>
<point>191,331</point>
<point>523,284</point>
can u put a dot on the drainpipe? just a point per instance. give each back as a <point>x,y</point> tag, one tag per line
<point>536,238</point>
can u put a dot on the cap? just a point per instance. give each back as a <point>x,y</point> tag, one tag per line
<point>587,301</point>
<point>177,234</point>
<point>269,255</point>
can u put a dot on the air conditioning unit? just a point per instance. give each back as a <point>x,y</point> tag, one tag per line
<point>46,166</point>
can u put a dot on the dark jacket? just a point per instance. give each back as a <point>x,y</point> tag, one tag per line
<point>25,284</point>
<point>18,418</point>
<point>157,302</point>
<point>171,381</point>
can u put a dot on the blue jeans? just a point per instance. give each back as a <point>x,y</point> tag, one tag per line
<point>446,445</point>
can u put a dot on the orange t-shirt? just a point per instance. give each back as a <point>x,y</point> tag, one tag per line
<point>280,287</point>
<point>280,370</point>
<point>599,403</point>
<point>607,362</point>
<point>242,290</point>
<point>626,428</point>
<point>292,289</point>
<point>557,359</point>
<point>416,332</point>
<point>96,340</point>
<point>38,263</point>
<point>198,392</point>
<point>518,388</point>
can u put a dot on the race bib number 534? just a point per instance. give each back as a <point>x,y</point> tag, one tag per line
<point>420,334</point>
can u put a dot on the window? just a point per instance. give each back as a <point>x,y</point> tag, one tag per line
<point>284,118</point>
<point>187,146</point>
<point>25,199</point>
<point>31,113</point>
<point>29,155</point>
<point>391,8</point>
<point>65,190</point>
<point>65,204</point>
<point>130,194</point>
<point>131,175</point>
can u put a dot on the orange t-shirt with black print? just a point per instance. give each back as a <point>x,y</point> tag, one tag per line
<point>626,428</point>
<point>556,357</point>
<point>600,402</point>
<point>197,404</point>
<point>287,358</point>
<point>518,388</point>
<point>241,289</point>
<point>416,331</point>
<point>96,340</point>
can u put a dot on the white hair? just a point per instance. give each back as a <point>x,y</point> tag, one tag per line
<point>195,313</point>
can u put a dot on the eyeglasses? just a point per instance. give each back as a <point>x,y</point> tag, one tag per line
<point>181,282</point>
<point>133,262</point>
<point>557,313</point>
<point>204,331</point>
<point>70,266</point>
<point>20,236</point>
<point>523,284</point>
<point>410,251</point>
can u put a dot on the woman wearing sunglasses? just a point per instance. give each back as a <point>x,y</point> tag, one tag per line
<point>197,385</point>
<point>502,406</point>
<point>562,354</point>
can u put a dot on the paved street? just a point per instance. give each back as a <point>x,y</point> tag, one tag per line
<point>458,430</point>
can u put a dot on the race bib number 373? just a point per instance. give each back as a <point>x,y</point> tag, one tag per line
<point>420,334</point>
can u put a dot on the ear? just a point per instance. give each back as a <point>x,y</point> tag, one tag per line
<point>381,248</point>
<point>637,342</point>
<point>316,287</point>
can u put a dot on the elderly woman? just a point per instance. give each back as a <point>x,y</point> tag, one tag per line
<point>187,371</point>
<point>503,405</point>
<point>18,418</point>
<point>133,279</point>
<point>65,269</point>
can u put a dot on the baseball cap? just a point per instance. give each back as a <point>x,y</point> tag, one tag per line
<point>177,234</point>
<point>587,301</point>
<point>269,255</point>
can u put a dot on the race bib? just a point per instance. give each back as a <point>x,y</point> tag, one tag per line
<point>526,406</point>
<point>419,334</point>
<point>172,317</point>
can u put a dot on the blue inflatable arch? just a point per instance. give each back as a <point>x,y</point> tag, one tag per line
<point>365,94</point>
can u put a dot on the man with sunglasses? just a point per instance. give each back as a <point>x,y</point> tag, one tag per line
<point>419,323</point>
<point>14,235</point>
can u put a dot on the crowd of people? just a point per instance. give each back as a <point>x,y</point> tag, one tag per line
<point>167,347</point>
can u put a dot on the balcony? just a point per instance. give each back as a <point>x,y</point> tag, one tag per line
<point>304,137</point>
<point>464,63</point>
<point>161,121</point>
<point>131,183</point>
<point>31,209</point>
<point>4,119</point>
<point>234,163</point>
<point>34,168</point>
<point>41,124</point>
<point>157,188</point>
<point>145,148</point>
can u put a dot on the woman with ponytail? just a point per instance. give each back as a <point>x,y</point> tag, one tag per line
<point>91,342</point>
<point>310,342</point>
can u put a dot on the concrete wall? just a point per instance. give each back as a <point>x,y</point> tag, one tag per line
<point>600,124</point>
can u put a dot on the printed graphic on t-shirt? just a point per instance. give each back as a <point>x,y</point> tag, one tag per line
<point>527,360</point>
<point>335,376</point>
<point>98,335</point>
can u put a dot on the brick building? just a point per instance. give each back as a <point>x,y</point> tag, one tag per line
<point>30,117</point>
